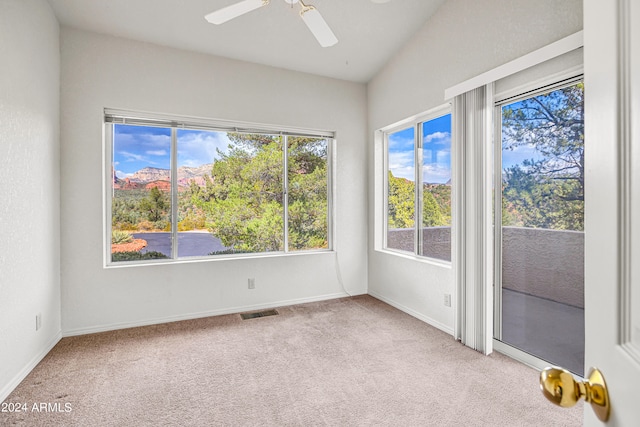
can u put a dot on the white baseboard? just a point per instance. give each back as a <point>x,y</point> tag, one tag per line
<point>198,315</point>
<point>412,312</point>
<point>26,370</point>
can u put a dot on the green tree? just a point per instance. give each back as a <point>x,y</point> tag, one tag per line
<point>243,201</point>
<point>442,195</point>
<point>307,193</point>
<point>154,204</point>
<point>401,202</point>
<point>431,214</point>
<point>547,191</point>
<point>436,198</point>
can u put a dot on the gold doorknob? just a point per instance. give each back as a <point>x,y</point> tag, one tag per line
<point>559,386</point>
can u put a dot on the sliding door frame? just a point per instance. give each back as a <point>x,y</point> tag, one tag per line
<point>555,82</point>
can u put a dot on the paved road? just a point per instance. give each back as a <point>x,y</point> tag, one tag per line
<point>189,243</point>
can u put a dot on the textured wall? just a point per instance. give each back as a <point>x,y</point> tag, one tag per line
<point>100,71</point>
<point>29,189</point>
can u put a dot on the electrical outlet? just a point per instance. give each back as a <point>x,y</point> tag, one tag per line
<point>38,321</point>
<point>447,300</point>
<point>252,283</point>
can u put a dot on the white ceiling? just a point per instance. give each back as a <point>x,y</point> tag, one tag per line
<point>369,33</point>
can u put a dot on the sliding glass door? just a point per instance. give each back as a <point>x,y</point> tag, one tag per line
<point>539,224</point>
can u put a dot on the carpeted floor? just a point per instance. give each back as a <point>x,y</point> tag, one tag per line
<point>346,362</point>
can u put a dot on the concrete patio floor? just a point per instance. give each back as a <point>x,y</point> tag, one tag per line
<point>546,329</point>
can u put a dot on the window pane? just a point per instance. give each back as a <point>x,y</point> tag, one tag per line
<point>542,226</point>
<point>229,191</point>
<point>242,200</point>
<point>197,153</point>
<point>141,195</point>
<point>436,188</point>
<point>308,207</point>
<point>401,191</point>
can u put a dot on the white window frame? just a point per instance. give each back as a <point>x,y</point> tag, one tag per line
<point>117,116</point>
<point>415,122</point>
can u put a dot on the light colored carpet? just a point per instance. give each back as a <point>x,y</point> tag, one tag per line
<point>346,362</point>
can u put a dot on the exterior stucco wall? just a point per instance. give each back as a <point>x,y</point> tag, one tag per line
<point>436,241</point>
<point>545,263</point>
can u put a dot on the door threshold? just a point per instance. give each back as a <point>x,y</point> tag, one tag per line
<point>521,356</point>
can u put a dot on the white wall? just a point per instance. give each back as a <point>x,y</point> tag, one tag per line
<point>29,190</point>
<point>463,39</point>
<point>100,71</point>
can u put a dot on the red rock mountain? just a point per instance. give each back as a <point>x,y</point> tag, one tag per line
<point>149,177</point>
<point>150,174</point>
<point>161,184</point>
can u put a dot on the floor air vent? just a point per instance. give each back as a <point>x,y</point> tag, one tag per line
<point>257,314</point>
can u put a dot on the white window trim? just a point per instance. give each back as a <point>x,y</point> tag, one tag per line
<point>118,116</point>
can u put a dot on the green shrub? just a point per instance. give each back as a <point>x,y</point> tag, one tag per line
<point>125,226</point>
<point>120,236</point>
<point>161,225</point>
<point>136,256</point>
<point>145,226</point>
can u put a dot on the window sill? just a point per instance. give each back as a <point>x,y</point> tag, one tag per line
<point>220,258</point>
<point>413,257</point>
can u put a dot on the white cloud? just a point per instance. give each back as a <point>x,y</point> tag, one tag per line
<point>157,152</point>
<point>442,157</point>
<point>400,140</point>
<point>146,140</point>
<point>198,148</point>
<point>434,173</point>
<point>437,136</point>
<point>401,164</point>
<point>132,157</point>
<point>151,140</point>
<point>123,175</point>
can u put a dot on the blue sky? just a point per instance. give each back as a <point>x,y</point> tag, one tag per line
<point>136,147</point>
<point>436,150</point>
<point>517,155</point>
<point>436,153</point>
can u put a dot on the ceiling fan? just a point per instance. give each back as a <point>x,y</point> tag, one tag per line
<point>309,14</point>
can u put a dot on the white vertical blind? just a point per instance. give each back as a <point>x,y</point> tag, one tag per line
<point>472,213</point>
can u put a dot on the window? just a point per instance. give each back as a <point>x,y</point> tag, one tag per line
<point>418,216</point>
<point>179,189</point>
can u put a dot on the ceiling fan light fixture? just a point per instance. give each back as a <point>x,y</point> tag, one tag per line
<point>233,11</point>
<point>309,14</point>
<point>318,26</point>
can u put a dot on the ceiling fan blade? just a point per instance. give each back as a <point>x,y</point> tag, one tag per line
<point>318,26</point>
<point>225,14</point>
